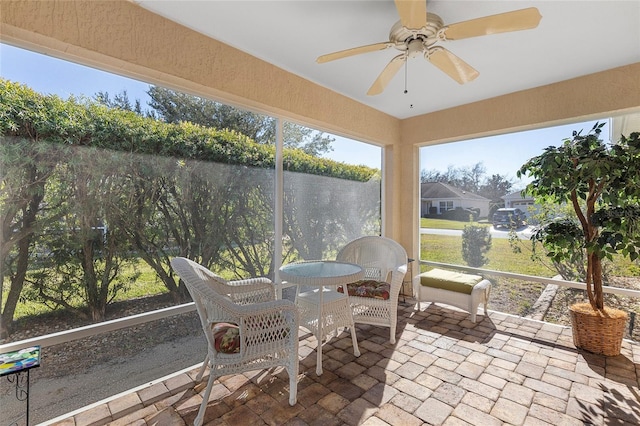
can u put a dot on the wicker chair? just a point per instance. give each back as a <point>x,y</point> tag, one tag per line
<point>384,261</point>
<point>241,292</point>
<point>266,332</point>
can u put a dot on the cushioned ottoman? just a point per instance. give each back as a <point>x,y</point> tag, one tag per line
<point>464,291</point>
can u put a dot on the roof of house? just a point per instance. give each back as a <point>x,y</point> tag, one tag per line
<point>516,195</point>
<point>441,190</point>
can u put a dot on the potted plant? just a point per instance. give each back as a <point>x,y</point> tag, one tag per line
<point>601,181</point>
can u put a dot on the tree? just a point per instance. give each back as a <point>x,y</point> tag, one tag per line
<point>310,237</point>
<point>85,187</point>
<point>601,183</point>
<point>303,138</point>
<point>476,242</point>
<point>495,187</point>
<point>453,176</point>
<point>318,222</point>
<point>175,107</point>
<point>24,171</point>
<point>85,252</point>
<point>26,164</point>
<point>119,101</point>
<point>472,177</point>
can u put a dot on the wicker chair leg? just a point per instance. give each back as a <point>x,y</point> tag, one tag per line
<point>205,399</point>
<point>202,369</point>
<point>354,340</point>
<point>392,334</point>
<point>293,386</point>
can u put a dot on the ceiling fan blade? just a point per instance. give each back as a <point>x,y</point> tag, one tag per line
<point>386,75</point>
<point>523,19</point>
<point>413,13</point>
<point>452,65</point>
<point>354,51</point>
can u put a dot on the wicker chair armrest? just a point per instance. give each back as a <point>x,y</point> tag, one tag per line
<point>397,276</point>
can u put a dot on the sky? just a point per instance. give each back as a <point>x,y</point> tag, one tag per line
<point>502,154</point>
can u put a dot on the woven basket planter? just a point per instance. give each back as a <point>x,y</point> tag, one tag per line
<point>597,333</point>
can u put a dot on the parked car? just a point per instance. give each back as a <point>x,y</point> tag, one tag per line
<point>509,218</point>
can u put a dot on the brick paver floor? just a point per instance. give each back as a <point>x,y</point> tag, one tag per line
<point>443,370</point>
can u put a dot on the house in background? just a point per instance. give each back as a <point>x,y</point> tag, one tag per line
<point>516,200</point>
<point>437,198</point>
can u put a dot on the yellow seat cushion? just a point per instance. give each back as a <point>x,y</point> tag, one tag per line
<point>449,280</point>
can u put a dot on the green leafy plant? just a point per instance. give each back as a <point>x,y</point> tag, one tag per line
<point>156,189</point>
<point>601,183</point>
<point>476,242</point>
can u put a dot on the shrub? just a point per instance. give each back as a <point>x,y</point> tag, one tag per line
<point>476,242</point>
<point>460,214</point>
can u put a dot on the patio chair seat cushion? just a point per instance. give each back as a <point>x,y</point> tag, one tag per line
<point>450,280</point>
<point>369,288</point>
<point>227,337</point>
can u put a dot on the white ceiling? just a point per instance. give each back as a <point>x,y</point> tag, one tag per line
<point>574,38</point>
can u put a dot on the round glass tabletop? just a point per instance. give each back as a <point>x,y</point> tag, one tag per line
<point>321,272</point>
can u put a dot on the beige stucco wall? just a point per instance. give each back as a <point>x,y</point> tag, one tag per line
<point>120,37</point>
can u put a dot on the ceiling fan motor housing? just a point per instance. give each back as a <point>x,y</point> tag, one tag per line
<point>402,37</point>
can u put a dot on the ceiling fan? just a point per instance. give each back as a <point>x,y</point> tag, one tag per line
<point>417,32</point>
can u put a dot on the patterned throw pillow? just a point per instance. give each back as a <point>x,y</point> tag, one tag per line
<point>368,288</point>
<point>226,337</point>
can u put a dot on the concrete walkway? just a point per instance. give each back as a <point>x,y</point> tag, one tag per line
<point>443,370</point>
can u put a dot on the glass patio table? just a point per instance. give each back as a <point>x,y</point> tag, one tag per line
<point>323,309</point>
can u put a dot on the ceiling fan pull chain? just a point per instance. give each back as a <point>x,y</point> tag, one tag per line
<point>406,67</point>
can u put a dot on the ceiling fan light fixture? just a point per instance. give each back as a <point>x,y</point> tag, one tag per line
<point>414,48</point>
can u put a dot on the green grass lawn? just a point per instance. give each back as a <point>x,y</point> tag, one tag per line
<point>448,249</point>
<point>147,284</point>
<point>426,222</point>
